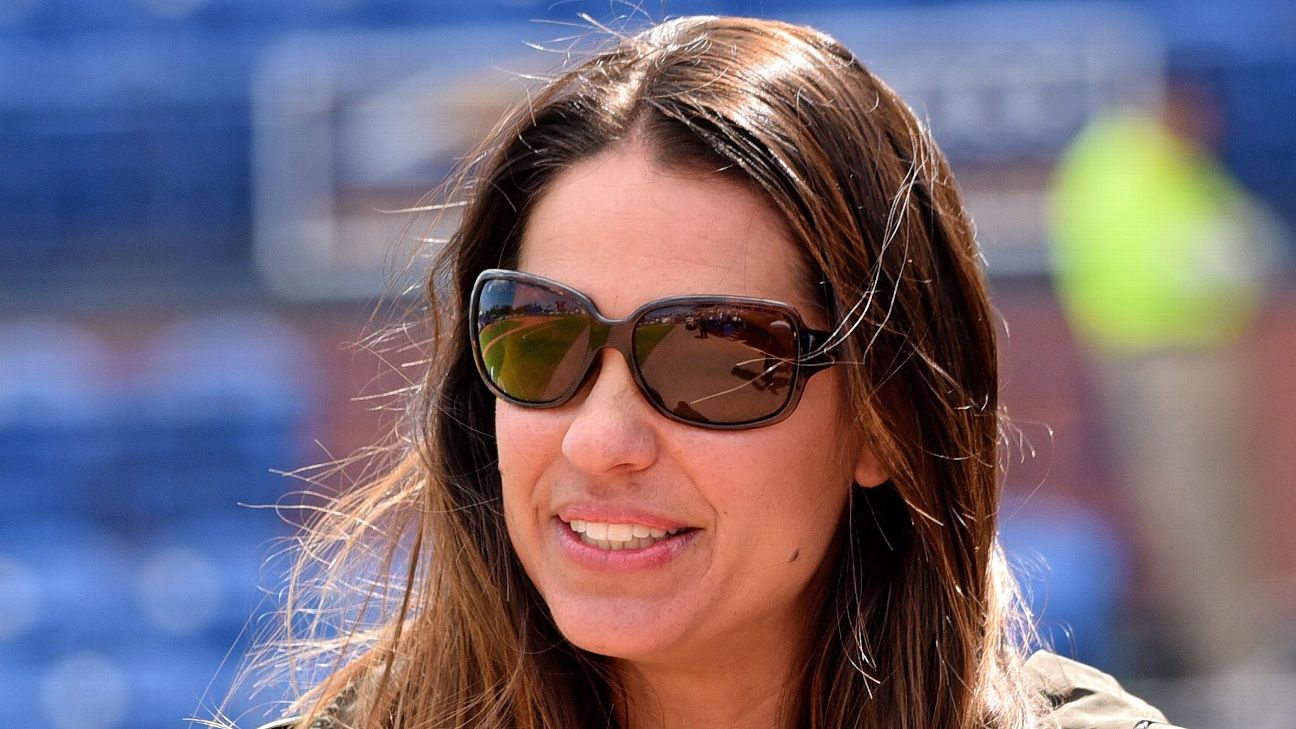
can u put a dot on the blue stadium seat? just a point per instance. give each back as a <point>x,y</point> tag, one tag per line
<point>1073,568</point>
<point>84,583</point>
<point>220,401</point>
<point>55,423</point>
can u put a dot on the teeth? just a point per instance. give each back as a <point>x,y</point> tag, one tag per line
<point>616,546</point>
<point>618,536</point>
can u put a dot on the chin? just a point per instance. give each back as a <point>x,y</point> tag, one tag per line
<point>617,631</point>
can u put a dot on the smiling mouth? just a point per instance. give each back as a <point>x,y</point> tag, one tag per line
<point>619,536</point>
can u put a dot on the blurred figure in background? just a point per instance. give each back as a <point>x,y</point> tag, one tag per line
<point>1160,260</point>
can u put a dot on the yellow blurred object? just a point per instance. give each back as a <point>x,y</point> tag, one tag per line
<point>1150,240</point>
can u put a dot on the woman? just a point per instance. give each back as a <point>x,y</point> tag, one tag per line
<point>711,435</point>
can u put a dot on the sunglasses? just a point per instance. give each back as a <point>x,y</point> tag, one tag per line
<point>722,362</point>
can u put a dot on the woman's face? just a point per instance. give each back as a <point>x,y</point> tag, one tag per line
<point>757,509</point>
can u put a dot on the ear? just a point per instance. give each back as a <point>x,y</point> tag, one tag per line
<point>868,471</point>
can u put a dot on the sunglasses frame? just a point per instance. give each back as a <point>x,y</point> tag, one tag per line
<point>810,356</point>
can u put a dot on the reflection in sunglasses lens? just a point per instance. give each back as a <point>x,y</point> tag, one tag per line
<point>716,363</point>
<point>533,341</point>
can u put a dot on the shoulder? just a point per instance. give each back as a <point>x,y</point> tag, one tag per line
<point>1083,697</point>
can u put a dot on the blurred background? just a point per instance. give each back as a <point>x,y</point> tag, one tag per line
<point>193,232</point>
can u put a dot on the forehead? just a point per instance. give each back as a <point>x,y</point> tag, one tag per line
<point>626,230</point>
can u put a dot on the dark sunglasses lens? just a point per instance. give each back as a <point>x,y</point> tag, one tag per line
<point>534,342</point>
<point>717,363</point>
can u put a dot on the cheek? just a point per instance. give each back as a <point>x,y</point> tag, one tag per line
<point>523,445</point>
<point>508,439</point>
<point>520,448</point>
<point>524,451</point>
<point>817,470</point>
<point>808,506</point>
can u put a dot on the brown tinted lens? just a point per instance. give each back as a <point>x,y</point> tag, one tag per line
<point>534,342</point>
<point>717,363</point>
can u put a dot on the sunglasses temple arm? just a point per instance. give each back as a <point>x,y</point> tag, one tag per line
<point>813,343</point>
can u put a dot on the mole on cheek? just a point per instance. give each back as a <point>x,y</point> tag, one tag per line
<point>795,554</point>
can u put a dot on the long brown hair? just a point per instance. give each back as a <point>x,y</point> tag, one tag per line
<point>442,628</point>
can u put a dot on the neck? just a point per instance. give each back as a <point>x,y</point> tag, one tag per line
<point>747,692</point>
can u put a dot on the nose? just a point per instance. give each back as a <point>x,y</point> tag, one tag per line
<point>612,429</point>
